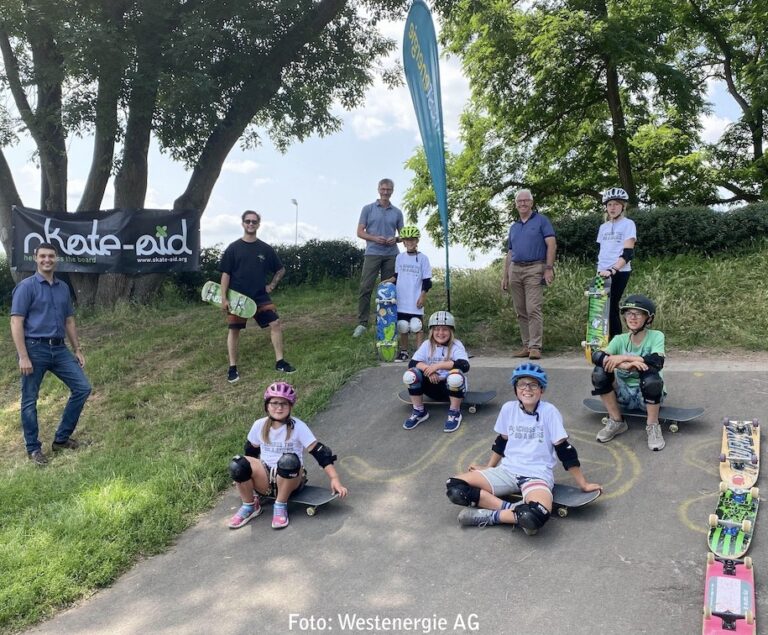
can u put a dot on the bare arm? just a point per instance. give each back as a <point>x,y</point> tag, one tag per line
<point>505,277</point>
<point>225,277</point>
<point>549,271</point>
<point>361,233</point>
<point>275,280</point>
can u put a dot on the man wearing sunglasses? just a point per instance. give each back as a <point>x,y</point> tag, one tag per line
<point>244,267</point>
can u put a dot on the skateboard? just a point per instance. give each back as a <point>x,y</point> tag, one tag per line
<point>729,596</point>
<point>386,321</point>
<point>471,399</point>
<point>598,307</point>
<point>567,497</point>
<point>730,532</point>
<point>670,414</point>
<point>309,495</point>
<point>740,455</point>
<point>239,304</point>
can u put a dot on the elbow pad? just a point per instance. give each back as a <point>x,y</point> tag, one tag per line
<point>598,357</point>
<point>462,365</point>
<point>655,360</point>
<point>567,455</point>
<point>426,284</point>
<point>499,445</point>
<point>323,455</point>
<point>628,253</point>
<point>252,450</point>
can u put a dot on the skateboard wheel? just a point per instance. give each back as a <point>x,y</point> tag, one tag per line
<point>472,409</point>
<point>562,512</point>
<point>586,294</point>
<point>746,526</point>
<point>710,558</point>
<point>725,421</point>
<point>755,493</point>
<point>707,613</point>
<point>755,423</point>
<point>712,520</point>
<point>722,487</point>
<point>722,458</point>
<point>753,460</point>
<point>749,617</point>
<point>311,511</point>
<point>748,562</point>
<point>673,427</point>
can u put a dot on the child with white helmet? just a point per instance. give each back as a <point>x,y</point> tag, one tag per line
<point>531,439</point>
<point>413,277</point>
<point>273,464</point>
<point>438,369</point>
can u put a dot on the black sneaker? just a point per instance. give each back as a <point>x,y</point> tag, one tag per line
<point>38,458</point>
<point>232,375</point>
<point>284,367</point>
<point>69,444</point>
<point>402,356</point>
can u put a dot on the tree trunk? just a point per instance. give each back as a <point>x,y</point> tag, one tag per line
<point>618,122</point>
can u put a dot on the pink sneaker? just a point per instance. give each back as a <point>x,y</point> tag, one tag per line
<point>245,514</point>
<point>279,518</point>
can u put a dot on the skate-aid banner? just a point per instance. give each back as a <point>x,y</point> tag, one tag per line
<point>110,241</point>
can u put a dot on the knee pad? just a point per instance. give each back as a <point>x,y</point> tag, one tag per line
<point>601,381</point>
<point>455,380</point>
<point>403,327</point>
<point>288,465</point>
<point>413,378</point>
<point>240,469</point>
<point>459,492</point>
<point>531,516</point>
<point>651,386</point>
<point>416,325</point>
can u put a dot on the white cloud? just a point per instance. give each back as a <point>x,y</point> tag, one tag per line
<point>244,166</point>
<point>713,127</point>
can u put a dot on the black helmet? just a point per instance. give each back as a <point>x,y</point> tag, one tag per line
<point>638,302</point>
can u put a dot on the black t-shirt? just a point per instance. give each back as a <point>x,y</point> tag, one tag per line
<point>248,265</point>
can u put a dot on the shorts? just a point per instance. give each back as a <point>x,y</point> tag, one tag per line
<point>630,397</point>
<point>272,479</point>
<point>409,316</point>
<point>504,483</point>
<point>440,390</point>
<point>265,315</point>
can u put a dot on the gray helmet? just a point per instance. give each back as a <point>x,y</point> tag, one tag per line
<point>442,318</point>
<point>615,194</point>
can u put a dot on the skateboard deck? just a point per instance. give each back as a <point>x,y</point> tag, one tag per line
<point>310,495</point>
<point>386,321</point>
<point>731,525</point>
<point>729,596</point>
<point>239,304</point>
<point>669,414</point>
<point>566,497</point>
<point>598,307</point>
<point>472,399</point>
<point>740,453</point>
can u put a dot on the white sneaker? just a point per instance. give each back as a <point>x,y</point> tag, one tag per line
<point>611,429</point>
<point>359,330</point>
<point>655,438</point>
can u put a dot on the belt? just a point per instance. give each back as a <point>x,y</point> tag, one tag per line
<point>528,263</point>
<point>50,341</point>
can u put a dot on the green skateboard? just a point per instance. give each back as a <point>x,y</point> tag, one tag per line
<point>239,304</point>
<point>598,307</point>
<point>730,532</point>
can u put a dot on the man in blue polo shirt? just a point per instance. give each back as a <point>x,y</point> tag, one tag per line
<point>378,226</point>
<point>41,316</point>
<point>529,265</point>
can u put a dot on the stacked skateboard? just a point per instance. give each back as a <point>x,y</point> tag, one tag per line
<point>729,591</point>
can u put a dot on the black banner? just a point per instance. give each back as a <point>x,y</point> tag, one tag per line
<point>111,241</point>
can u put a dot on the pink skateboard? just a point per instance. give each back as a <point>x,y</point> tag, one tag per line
<point>729,596</point>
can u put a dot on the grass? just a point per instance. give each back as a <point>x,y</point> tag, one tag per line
<point>163,421</point>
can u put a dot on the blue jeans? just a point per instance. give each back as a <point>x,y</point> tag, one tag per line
<point>62,363</point>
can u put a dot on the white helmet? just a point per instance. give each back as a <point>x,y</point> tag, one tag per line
<point>442,318</point>
<point>615,194</point>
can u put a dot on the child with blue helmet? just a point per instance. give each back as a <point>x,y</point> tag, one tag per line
<point>531,439</point>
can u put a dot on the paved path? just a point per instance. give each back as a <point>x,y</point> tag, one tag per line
<point>633,562</point>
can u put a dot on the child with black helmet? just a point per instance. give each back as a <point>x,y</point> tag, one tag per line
<point>413,277</point>
<point>273,464</point>
<point>628,373</point>
<point>531,439</point>
<point>438,369</point>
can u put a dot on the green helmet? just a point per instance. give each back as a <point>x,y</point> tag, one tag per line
<point>410,231</point>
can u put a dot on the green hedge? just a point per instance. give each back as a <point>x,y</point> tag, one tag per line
<point>669,231</point>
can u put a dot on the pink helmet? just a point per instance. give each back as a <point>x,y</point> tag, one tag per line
<point>280,389</point>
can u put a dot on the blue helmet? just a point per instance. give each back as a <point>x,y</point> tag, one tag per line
<point>529,370</point>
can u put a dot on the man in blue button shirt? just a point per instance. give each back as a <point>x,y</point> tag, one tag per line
<point>528,267</point>
<point>41,316</point>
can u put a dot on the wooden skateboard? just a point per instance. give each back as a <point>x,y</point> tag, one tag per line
<point>239,304</point>
<point>386,321</point>
<point>740,453</point>
<point>669,414</point>
<point>731,525</point>
<point>309,495</point>
<point>598,308</point>
<point>567,497</point>
<point>471,399</point>
<point>729,596</point>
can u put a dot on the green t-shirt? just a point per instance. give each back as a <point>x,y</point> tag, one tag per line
<point>653,342</point>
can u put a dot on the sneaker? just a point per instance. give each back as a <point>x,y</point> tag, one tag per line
<point>359,330</point>
<point>534,353</point>
<point>523,352</point>
<point>284,367</point>
<point>38,458</point>
<point>453,421</point>
<point>69,444</point>
<point>280,518</point>
<point>402,356</point>
<point>244,515</point>
<point>476,517</point>
<point>417,416</point>
<point>232,375</point>
<point>611,429</point>
<point>655,438</point>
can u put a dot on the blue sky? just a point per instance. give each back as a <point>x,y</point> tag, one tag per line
<point>331,178</point>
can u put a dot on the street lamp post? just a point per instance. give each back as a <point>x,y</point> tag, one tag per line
<point>296,203</point>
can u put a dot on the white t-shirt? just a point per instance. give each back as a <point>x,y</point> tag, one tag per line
<point>301,438</point>
<point>411,269</point>
<point>425,354</point>
<point>531,439</point>
<point>611,237</point>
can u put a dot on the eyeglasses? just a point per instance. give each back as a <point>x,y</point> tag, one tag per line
<point>279,404</point>
<point>250,222</point>
<point>634,314</point>
<point>524,200</point>
<point>528,385</point>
